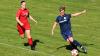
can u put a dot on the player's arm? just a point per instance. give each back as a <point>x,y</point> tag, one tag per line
<point>32,19</point>
<point>79,13</point>
<point>53,27</point>
<point>17,18</point>
<point>18,21</point>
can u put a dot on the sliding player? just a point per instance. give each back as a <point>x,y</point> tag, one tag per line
<point>64,21</point>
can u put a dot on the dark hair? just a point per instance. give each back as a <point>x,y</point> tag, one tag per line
<point>62,8</point>
<point>22,1</point>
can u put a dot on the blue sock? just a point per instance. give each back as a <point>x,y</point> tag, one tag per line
<point>77,43</point>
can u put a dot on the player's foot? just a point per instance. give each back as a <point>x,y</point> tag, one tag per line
<point>26,44</point>
<point>84,49</point>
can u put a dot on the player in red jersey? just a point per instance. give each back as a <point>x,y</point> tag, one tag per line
<point>23,25</point>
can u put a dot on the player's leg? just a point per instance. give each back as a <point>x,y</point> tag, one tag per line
<point>76,43</point>
<point>70,40</point>
<point>30,41</point>
<point>21,31</point>
<point>22,36</point>
<point>80,45</point>
<point>66,37</point>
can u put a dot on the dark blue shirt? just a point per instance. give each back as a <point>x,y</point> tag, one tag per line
<point>64,23</point>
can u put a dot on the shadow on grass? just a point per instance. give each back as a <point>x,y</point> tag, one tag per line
<point>34,43</point>
<point>69,47</point>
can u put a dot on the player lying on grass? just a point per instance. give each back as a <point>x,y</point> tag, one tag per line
<point>64,21</point>
<point>23,25</point>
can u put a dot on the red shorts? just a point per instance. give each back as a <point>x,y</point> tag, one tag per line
<point>21,29</point>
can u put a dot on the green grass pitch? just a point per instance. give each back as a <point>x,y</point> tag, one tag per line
<point>86,28</point>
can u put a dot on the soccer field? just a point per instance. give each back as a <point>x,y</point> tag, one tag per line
<point>86,28</point>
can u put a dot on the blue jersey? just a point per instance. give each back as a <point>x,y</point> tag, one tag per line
<point>64,23</point>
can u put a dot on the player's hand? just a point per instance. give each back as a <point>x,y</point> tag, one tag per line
<point>21,24</point>
<point>52,33</point>
<point>84,11</point>
<point>36,22</point>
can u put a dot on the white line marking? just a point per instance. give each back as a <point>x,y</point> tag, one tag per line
<point>26,49</point>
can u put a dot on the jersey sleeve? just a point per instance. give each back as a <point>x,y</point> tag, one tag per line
<point>69,15</point>
<point>28,13</point>
<point>18,13</point>
<point>57,19</point>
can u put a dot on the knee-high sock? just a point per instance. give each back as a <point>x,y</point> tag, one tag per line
<point>76,43</point>
<point>73,45</point>
<point>30,41</point>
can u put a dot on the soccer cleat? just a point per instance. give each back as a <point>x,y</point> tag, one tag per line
<point>84,49</point>
<point>26,44</point>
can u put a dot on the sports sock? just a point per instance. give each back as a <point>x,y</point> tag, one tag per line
<point>77,43</point>
<point>73,46</point>
<point>30,41</point>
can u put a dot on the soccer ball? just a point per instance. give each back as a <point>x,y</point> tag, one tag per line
<point>74,52</point>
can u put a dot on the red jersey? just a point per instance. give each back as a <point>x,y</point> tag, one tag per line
<point>23,15</point>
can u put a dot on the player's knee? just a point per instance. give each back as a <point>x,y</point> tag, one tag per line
<point>70,39</point>
<point>22,35</point>
<point>29,36</point>
<point>28,33</point>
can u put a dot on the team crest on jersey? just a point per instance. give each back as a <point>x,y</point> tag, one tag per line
<point>64,18</point>
<point>25,13</point>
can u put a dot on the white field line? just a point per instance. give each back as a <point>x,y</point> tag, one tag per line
<point>26,49</point>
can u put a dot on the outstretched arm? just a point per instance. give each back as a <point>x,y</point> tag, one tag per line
<point>53,27</point>
<point>32,19</point>
<point>79,13</point>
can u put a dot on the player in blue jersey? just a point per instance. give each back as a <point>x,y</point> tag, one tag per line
<point>64,21</point>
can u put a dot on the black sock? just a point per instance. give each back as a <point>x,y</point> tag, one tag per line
<point>73,46</point>
<point>77,43</point>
